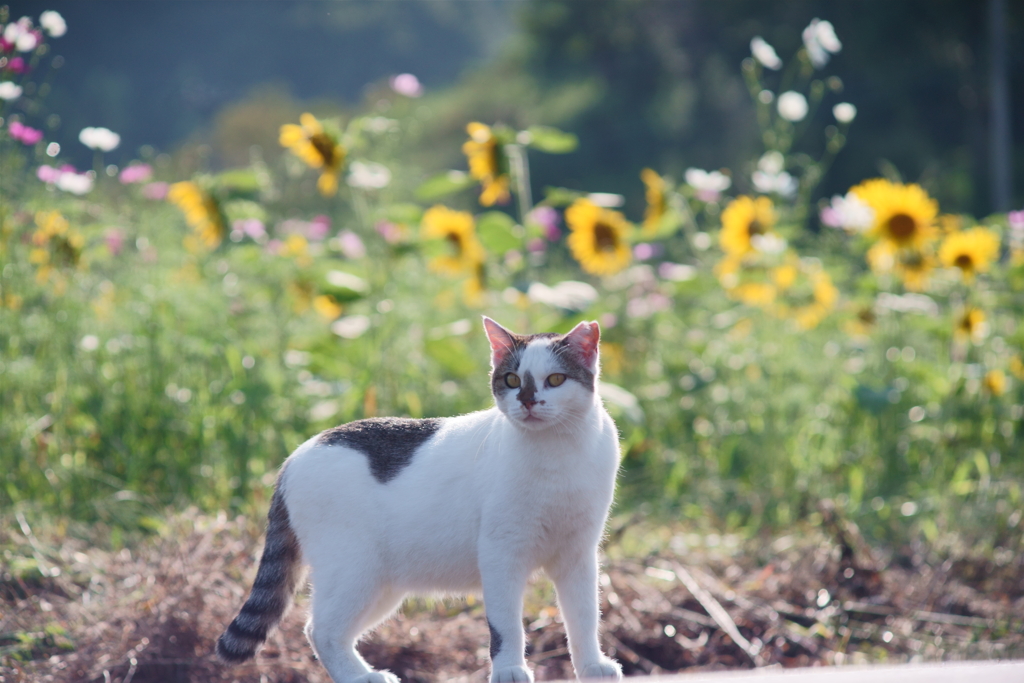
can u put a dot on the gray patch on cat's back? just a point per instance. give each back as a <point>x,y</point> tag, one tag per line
<point>388,443</point>
<point>495,639</point>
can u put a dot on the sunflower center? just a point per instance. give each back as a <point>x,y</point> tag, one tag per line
<point>324,146</point>
<point>902,227</point>
<point>963,262</point>
<point>456,241</point>
<point>755,228</point>
<point>604,237</point>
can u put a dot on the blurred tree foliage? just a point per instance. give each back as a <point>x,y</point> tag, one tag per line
<point>642,82</point>
<point>667,89</point>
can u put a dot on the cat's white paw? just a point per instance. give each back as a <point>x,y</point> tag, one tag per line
<point>377,677</point>
<point>603,668</point>
<point>512,674</point>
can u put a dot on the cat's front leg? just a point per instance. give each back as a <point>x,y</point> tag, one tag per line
<point>504,581</point>
<point>575,577</point>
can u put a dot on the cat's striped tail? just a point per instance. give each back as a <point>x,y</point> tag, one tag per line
<point>272,591</point>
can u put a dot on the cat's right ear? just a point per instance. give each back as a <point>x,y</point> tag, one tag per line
<point>503,342</point>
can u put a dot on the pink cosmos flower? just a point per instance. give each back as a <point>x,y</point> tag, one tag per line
<point>253,227</point>
<point>155,191</point>
<point>547,218</point>
<point>536,245</point>
<point>318,228</point>
<point>24,134</point>
<point>644,251</point>
<point>391,233</point>
<point>48,174</point>
<point>351,246</point>
<point>406,84</point>
<point>114,239</point>
<point>136,173</point>
<point>1016,219</point>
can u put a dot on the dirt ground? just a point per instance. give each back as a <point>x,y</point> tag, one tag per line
<point>69,612</point>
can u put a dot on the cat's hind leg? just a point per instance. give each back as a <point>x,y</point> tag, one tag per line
<point>345,605</point>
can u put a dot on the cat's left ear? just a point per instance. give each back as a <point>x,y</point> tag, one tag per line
<point>502,341</point>
<point>585,338</point>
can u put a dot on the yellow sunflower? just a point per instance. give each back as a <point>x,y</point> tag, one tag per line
<point>743,219</point>
<point>319,149</point>
<point>484,153</point>
<point>656,201</point>
<point>815,296</point>
<point>913,266</point>
<point>971,326</point>
<point>995,382</point>
<point>863,322</point>
<point>55,245</point>
<point>459,230</point>
<point>201,211</point>
<point>972,251</point>
<point>904,214</point>
<point>598,237</point>
<point>760,294</point>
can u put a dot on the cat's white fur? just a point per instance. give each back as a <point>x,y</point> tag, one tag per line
<point>489,499</point>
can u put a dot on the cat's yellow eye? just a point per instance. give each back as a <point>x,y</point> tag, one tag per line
<point>512,380</point>
<point>555,379</point>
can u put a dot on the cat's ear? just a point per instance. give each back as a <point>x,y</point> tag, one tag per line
<point>585,339</point>
<point>502,341</point>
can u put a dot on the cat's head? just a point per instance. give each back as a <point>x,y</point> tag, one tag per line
<point>543,380</point>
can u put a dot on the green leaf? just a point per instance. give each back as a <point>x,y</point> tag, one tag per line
<point>410,214</point>
<point>560,196</point>
<point>453,355</point>
<point>551,140</point>
<point>240,181</point>
<point>497,232</point>
<point>444,184</point>
<point>344,287</point>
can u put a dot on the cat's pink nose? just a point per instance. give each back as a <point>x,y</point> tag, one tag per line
<point>529,404</point>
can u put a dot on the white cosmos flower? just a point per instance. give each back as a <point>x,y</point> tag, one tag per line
<point>770,178</point>
<point>368,175</point>
<point>708,184</point>
<point>765,53</point>
<point>848,213</point>
<point>768,243</point>
<point>9,90</point>
<point>844,112</point>
<point>821,42</point>
<point>792,106</point>
<point>75,183</point>
<point>53,23</point>
<point>569,294</point>
<point>775,183</point>
<point>102,139</point>
<point>26,42</point>
<point>351,326</point>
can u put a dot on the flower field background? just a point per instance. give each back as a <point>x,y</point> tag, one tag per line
<point>774,357</point>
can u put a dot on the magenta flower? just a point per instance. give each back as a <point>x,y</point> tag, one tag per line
<point>253,227</point>
<point>136,173</point>
<point>24,134</point>
<point>17,65</point>
<point>155,191</point>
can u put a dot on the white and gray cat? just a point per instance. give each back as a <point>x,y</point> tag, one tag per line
<point>384,507</point>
